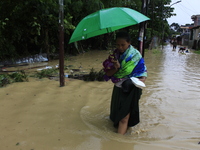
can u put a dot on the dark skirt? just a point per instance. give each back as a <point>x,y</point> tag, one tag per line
<point>123,103</point>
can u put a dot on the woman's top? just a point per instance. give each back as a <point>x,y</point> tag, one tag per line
<point>131,65</point>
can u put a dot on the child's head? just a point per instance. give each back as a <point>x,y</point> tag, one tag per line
<point>123,41</point>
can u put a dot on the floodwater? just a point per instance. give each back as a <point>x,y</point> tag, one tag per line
<point>40,115</point>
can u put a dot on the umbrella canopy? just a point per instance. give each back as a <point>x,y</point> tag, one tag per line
<point>105,21</point>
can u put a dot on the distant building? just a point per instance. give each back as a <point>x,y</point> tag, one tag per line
<point>196,19</point>
<point>194,41</point>
<point>185,36</point>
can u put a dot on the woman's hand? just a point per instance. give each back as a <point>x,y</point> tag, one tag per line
<point>142,79</point>
<point>113,71</point>
<point>116,63</point>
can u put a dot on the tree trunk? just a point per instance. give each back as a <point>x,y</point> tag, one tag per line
<point>47,43</point>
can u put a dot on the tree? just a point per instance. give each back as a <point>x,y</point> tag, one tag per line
<point>159,11</point>
<point>175,27</point>
<point>30,27</point>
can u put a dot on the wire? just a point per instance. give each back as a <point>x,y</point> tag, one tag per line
<point>192,7</point>
<point>189,9</point>
<point>184,10</point>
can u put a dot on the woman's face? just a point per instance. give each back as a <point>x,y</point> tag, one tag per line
<point>122,45</point>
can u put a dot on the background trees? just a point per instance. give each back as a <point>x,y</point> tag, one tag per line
<point>30,27</point>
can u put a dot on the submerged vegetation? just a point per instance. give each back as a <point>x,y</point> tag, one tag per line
<point>46,73</point>
<point>94,76</point>
<point>11,78</point>
<point>52,73</point>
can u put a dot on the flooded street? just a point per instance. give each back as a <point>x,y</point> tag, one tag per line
<point>40,115</point>
<point>171,99</point>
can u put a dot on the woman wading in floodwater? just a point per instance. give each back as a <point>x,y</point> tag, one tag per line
<point>124,63</point>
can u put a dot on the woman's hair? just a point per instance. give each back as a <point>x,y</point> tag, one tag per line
<point>123,35</point>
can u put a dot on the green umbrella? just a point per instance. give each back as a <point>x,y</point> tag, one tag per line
<point>105,21</point>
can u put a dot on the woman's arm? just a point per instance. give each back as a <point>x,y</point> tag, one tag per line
<point>113,71</point>
<point>142,78</point>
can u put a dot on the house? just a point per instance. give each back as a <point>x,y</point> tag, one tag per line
<point>185,36</point>
<point>194,41</point>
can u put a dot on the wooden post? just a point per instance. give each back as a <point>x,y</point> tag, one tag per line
<point>142,28</point>
<point>61,43</point>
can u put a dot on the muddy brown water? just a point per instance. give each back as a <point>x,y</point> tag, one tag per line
<point>40,115</point>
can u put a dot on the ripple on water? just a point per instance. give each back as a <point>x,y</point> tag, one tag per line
<point>168,107</point>
<point>97,119</point>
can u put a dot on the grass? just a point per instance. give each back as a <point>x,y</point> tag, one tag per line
<point>197,51</point>
<point>154,51</point>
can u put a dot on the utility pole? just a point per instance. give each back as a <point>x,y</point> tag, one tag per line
<point>163,18</point>
<point>142,28</point>
<point>61,43</point>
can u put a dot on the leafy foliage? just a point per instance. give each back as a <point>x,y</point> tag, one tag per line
<point>4,80</point>
<point>159,11</point>
<point>29,27</point>
<point>94,76</point>
<point>46,73</point>
<point>11,78</point>
<point>175,27</point>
